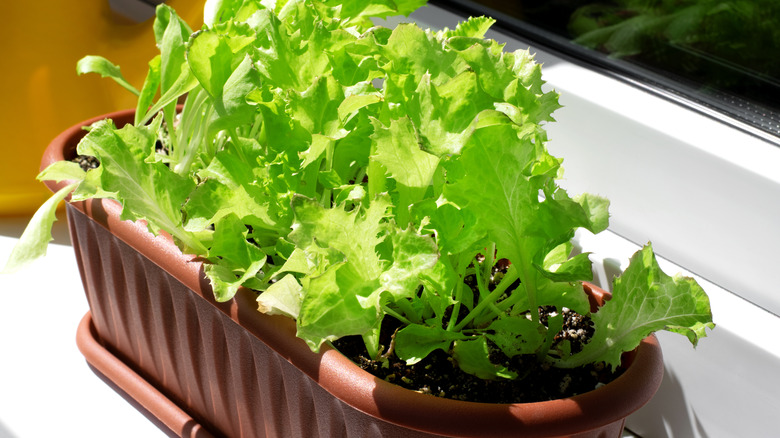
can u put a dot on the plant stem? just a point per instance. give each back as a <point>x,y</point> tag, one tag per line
<point>240,150</point>
<point>395,315</point>
<point>169,115</point>
<point>528,282</point>
<point>190,131</point>
<point>462,265</point>
<point>360,175</point>
<point>509,278</point>
<point>256,126</point>
<point>190,113</point>
<point>484,292</point>
<point>371,341</point>
<point>490,259</point>
<point>481,287</point>
<point>325,200</point>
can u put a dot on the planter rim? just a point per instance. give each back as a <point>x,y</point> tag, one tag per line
<point>356,387</point>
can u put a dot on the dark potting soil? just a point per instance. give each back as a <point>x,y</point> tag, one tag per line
<point>86,162</point>
<point>438,375</point>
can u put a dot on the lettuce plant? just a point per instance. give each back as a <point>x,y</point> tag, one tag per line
<point>352,173</point>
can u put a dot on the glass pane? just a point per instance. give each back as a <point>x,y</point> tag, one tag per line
<point>720,53</point>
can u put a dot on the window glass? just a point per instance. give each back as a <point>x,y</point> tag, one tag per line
<point>719,54</point>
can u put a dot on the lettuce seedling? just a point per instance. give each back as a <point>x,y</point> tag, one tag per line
<point>352,173</point>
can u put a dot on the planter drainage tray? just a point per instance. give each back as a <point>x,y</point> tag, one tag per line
<point>144,396</point>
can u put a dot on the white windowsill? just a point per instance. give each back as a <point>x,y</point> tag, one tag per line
<point>46,387</point>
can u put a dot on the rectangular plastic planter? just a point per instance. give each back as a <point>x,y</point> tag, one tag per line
<point>204,367</point>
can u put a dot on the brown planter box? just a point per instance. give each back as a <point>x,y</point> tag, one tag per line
<point>225,369</point>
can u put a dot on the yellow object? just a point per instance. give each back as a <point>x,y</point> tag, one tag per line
<point>41,42</point>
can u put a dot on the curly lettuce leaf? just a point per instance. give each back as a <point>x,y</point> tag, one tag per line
<point>235,260</point>
<point>516,335</point>
<point>413,254</point>
<point>340,299</point>
<point>147,191</point>
<point>231,186</point>
<point>513,77</point>
<point>356,234</point>
<point>317,107</point>
<point>292,55</point>
<point>219,59</point>
<point>456,229</point>
<point>283,297</point>
<point>398,151</point>
<point>413,52</point>
<point>444,115</point>
<point>331,308</point>
<point>473,27</point>
<point>644,300</point>
<point>415,341</point>
<point>473,357</point>
<point>504,172</point>
<point>223,11</point>
<point>374,8</point>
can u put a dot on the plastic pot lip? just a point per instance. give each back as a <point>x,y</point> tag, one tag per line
<point>597,408</point>
<point>363,391</point>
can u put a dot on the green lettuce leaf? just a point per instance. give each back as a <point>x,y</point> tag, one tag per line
<point>62,171</point>
<point>473,27</point>
<point>104,67</point>
<point>472,356</point>
<point>234,259</point>
<point>317,107</point>
<point>344,299</point>
<point>516,335</point>
<point>147,191</point>
<point>501,185</point>
<point>411,53</point>
<point>219,59</point>
<point>414,342</point>
<point>149,90</point>
<point>353,234</point>
<point>331,309</point>
<point>644,300</point>
<point>282,298</point>
<point>222,11</point>
<point>398,151</point>
<point>35,239</point>
<point>413,255</point>
<point>512,77</point>
<point>232,186</point>
<point>293,55</point>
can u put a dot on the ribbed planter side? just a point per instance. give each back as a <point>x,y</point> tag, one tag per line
<point>229,381</point>
<point>240,373</point>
